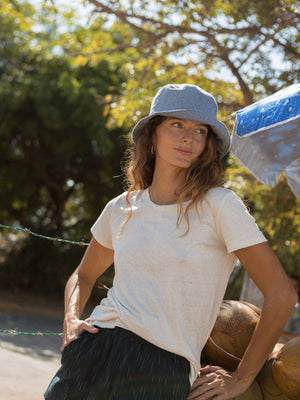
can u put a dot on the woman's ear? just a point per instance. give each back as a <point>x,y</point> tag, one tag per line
<point>153,149</point>
<point>154,139</point>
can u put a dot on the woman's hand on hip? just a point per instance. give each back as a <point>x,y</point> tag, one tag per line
<point>217,384</point>
<point>73,328</point>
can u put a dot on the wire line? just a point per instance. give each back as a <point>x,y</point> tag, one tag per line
<point>55,240</point>
<point>16,332</point>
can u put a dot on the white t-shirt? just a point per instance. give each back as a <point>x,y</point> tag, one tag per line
<point>168,287</point>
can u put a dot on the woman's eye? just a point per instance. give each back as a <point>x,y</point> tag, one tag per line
<point>202,131</point>
<point>177,124</point>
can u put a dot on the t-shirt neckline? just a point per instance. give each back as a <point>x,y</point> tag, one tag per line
<point>173,205</point>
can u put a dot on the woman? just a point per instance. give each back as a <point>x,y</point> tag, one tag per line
<point>174,238</point>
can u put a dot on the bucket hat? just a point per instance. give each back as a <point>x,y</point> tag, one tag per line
<point>186,102</point>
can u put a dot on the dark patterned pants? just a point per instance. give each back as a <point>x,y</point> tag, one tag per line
<point>116,364</point>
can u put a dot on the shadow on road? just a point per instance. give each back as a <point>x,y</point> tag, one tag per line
<point>43,347</point>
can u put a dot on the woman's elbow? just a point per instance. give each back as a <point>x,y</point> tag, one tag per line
<point>292,294</point>
<point>286,298</point>
<point>293,297</point>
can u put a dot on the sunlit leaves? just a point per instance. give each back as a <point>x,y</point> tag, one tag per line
<point>276,210</point>
<point>239,37</point>
<point>58,157</point>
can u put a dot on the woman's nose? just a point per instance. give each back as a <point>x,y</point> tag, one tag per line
<point>187,134</point>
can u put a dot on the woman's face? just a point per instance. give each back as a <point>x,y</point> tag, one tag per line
<point>178,142</point>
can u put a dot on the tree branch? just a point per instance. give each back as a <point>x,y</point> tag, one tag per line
<point>119,47</point>
<point>256,48</point>
<point>18,216</point>
<point>123,16</point>
<point>223,55</point>
<point>206,34</point>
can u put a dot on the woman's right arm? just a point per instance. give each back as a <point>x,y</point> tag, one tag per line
<point>94,263</point>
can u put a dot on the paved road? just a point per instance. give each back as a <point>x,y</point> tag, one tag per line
<point>27,363</point>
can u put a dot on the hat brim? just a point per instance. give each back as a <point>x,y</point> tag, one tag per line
<point>218,127</point>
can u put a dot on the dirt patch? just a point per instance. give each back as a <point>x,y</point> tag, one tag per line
<point>43,304</point>
<point>31,304</point>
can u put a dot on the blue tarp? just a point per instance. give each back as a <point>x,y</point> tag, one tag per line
<point>266,137</point>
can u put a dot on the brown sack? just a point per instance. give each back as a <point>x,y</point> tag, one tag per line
<point>286,369</point>
<point>268,387</point>
<point>231,334</point>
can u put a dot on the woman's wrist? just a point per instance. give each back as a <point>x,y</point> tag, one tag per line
<point>70,317</point>
<point>245,377</point>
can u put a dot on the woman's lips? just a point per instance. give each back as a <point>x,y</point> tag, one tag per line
<point>184,151</point>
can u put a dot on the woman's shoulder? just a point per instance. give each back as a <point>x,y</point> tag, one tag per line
<point>218,194</point>
<point>222,200</point>
<point>122,199</point>
<point>219,197</point>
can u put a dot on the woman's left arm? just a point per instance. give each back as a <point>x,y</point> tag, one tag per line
<point>279,299</point>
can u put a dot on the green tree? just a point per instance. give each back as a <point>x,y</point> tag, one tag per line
<point>253,43</point>
<point>60,163</point>
<point>277,212</point>
<point>238,50</point>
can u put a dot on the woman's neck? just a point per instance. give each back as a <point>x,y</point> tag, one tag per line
<point>164,187</point>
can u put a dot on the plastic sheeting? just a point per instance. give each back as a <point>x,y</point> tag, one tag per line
<point>266,138</point>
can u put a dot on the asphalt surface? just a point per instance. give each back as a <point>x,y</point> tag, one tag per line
<point>27,363</point>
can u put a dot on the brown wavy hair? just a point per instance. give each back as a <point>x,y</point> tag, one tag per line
<point>204,174</point>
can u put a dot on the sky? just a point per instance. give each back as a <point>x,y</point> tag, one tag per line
<point>83,10</point>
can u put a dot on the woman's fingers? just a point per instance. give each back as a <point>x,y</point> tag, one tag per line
<point>206,388</point>
<point>208,369</point>
<point>73,330</point>
<point>203,379</point>
<point>85,326</point>
<point>216,383</point>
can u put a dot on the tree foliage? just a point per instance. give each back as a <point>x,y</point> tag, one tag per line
<point>238,50</point>
<point>58,158</point>
<point>69,92</point>
<point>277,212</point>
<point>253,43</point>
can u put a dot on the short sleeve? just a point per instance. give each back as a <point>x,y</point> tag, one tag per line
<point>236,226</point>
<point>101,230</point>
